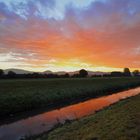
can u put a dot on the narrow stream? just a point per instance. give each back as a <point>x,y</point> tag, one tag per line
<point>46,121</point>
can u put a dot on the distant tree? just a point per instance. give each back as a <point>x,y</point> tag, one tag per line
<point>11,74</point>
<point>1,72</point>
<point>116,74</point>
<point>75,76</point>
<point>136,73</point>
<point>83,73</point>
<point>96,75</point>
<point>35,75</point>
<point>67,75</point>
<point>127,72</point>
<point>106,75</point>
<point>51,75</point>
<point>64,75</point>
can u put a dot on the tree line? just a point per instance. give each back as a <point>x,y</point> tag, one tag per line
<point>80,74</point>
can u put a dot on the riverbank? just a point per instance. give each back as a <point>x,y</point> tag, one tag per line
<point>20,96</point>
<point>118,122</point>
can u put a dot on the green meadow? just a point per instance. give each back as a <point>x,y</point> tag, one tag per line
<point>23,95</point>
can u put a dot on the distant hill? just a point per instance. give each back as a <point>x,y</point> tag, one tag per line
<point>47,72</point>
<point>21,71</point>
<point>58,72</point>
<point>18,71</point>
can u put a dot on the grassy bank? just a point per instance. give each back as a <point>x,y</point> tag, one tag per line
<point>28,94</point>
<point>117,122</point>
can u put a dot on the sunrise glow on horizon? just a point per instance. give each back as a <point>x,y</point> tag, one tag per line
<point>68,35</point>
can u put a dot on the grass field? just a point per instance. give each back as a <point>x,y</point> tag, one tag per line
<point>28,94</point>
<point>120,121</point>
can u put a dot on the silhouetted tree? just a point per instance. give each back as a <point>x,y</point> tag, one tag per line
<point>36,75</point>
<point>11,74</point>
<point>136,72</point>
<point>51,75</point>
<point>64,75</point>
<point>116,74</point>
<point>106,75</point>
<point>67,75</point>
<point>127,72</point>
<point>83,73</point>
<point>75,76</point>
<point>1,73</point>
<point>96,75</point>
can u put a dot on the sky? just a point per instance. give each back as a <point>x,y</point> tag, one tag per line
<point>68,35</point>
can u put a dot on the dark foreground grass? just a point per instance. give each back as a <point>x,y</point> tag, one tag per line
<point>120,121</point>
<point>29,94</point>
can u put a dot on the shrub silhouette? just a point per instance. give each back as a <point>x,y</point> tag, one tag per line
<point>1,73</point>
<point>127,72</point>
<point>11,74</point>
<point>83,73</point>
<point>136,73</point>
